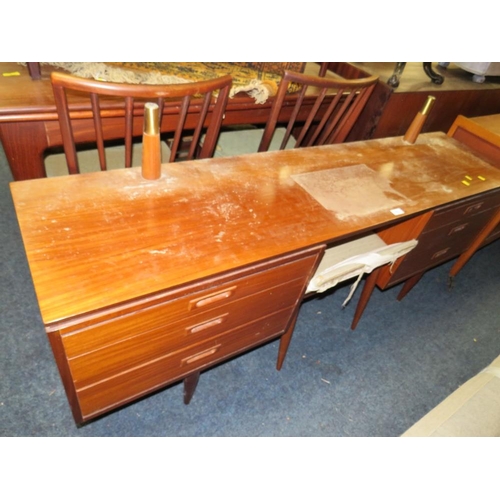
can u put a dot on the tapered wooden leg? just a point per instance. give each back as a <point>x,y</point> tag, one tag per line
<point>486,231</point>
<point>190,384</point>
<point>370,283</point>
<point>285,341</point>
<point>409,284</point>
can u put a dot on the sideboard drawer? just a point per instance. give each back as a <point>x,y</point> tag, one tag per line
<point>494,235</point>
<point>460,211</point>
<point>115,391</point>
<point>84,338</point>
<point>109,361</point>
<point>442,243</point>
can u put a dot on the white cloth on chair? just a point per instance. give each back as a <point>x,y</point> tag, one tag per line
<point>354,259</point>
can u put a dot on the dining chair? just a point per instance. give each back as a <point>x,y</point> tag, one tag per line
<point>355,259</point>
<point>117,109</point>
<point>323,111</point>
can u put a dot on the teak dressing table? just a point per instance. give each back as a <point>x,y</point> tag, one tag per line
<point>145,283</point>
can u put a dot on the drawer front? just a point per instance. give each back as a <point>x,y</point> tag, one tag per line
<point>440,245</point>
<point>111,360</point>
<point>462,210</point>
<point>130,324</point>
<point>495,234</point>
<point>174,366</point>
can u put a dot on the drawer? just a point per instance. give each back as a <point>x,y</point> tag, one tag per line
<point>81,339</point>
<point>494,235</point>
<point>462,210</point>
<point>440,245</point>
<point>174,366</point>
<point>119,357</point>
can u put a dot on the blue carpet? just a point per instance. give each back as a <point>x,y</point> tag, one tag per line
<point>403,359</point>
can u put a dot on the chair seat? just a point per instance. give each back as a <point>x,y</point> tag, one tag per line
<point>355,258</point>
<point>88,160</point>
<point>247,141</point>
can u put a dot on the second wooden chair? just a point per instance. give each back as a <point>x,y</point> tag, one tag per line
<point>323,111</point>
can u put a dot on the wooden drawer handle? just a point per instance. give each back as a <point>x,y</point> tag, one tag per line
<point>473,208</point>
<point>456,229</point>
<point>210,299</point>
<point>200,355</point>
<point>440,253</point>
<point>206,324</point>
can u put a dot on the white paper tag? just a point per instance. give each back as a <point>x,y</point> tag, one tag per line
<point>397,211</point>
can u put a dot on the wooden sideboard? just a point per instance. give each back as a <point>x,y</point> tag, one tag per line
<point>144,283</point>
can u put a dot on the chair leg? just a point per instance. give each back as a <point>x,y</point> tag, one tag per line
<point>409,284</point>
<point>370,283</point>
<point>396,75</point>
<point>34,70</point>
<point>435,77</point>
<point>190,383</point>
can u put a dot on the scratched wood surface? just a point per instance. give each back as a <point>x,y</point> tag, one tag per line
<point>96,240</point>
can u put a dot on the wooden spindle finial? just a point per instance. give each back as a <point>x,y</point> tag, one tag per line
<point>419,120</point>
<point>151,155</point>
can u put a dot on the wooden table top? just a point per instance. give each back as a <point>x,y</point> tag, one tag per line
<point>489,122</point>
<point>25,99</point>
<point>20,95</point>
<point>100,239</point>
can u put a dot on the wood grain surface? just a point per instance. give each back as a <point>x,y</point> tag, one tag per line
<point>95,240</point>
